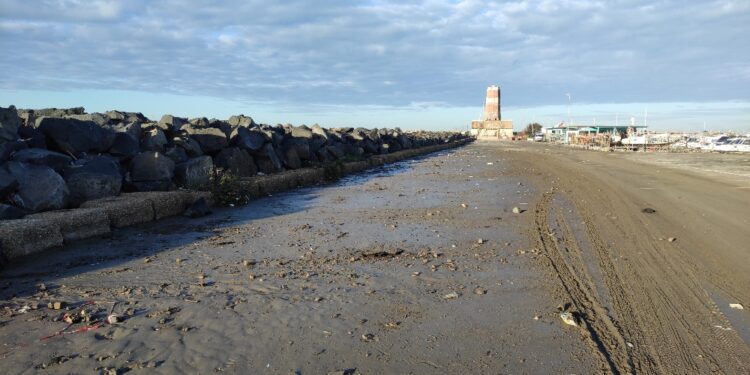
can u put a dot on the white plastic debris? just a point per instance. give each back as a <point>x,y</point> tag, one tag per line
<point>568,318</point>
<point>736,306</point>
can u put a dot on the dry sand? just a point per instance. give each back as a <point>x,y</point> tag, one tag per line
<point>384,272</point>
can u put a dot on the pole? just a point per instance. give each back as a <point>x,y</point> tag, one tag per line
<point>570,119</point>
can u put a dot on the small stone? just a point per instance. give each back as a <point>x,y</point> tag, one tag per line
<point>318,299</point>
<point>114,319</point>
<point>671,239</point>
<point>248,263</point>
<point>451,295</point>
<point>568,318</point>
<point>367,337</point>
<point>57,305</point>
<point>630,345</point>
<point>464,205</point>
<point>480,241</point>
<point>416,273</point>
<point>178,261</point>
<point>537,317</point>
<point>41,287</point>
<point>516,210</point>
<point>736,306</point>
<point>148,260</point>
<point>480,291</point>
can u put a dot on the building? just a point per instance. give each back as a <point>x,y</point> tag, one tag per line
<point>573,133</point>
<point>492,126</point>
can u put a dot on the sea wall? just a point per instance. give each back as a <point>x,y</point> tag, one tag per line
<point>66,175</point>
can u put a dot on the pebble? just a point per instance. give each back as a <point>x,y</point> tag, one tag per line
<point>568,318</point>
<point>57,305</point>
<point>736,306</point>
<point>480,241</point>
<point>671,239</point>
<point>480,291</point>
<point>464,205</point>
<point>367,337</point>
<point>451,295</point>
<point>516,210</point>
<point>416,273</point>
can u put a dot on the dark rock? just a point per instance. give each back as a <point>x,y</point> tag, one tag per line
<point>8,183</point>
<point>151,166</point>
<point>40,156</point>
<point>221,125</point>
<point>336,150</point>
<point>124,146</point>
<point>8,212</point>
<point>133,129</point>
<point>8,148</point>
<point>241,120</point>
<point>40,188</point>
<point>9,124</point>
<point>177,154</point>
<point>236,161</point>
<point>291,159</point>
<point>249,139</point>
<point>211,140</point>
<point>300,145</point>
<point>191,146</point>
<point>319,131</point>
<point>199,208</point>
<point>93,178</point>
<point>195,173</point>
<point>73,136</point>
<point>33,137</point>
<point>404,141</point>
<point>154,139</point>
<point>98,118</point>
<point>171,123</point>
<point>270,153</point>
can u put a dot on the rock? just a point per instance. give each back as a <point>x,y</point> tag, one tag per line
<point>480,291</point>
<point>249,139</point>
<point>671,239</point>
<point>57,305</point>
<point>8,212</point>
<point>151,165</point>
<point>93,178</point>
<point>211,140</point>
<point>480,241</point>
<point>38,156</point>
<point>367,337</point>
<point>195,173</point>
<point>336,150</point>
<point>648,210</point>
<point>197,209</point>
<point>517,210</point>
<point>451,295</point>
<point>74,136</point>
<point>569,319</point>
<point>8,148</point>
<point>98,118</point>
<point>9,124</point>
<point>270,153</point>
<point>8,183</point>
<point>291,159</point>
<point>171,123</point>
<point>177,154</point>
<point>191,146</point>
<point>133,129</point>
<point>736,306</point>
<point>124,146</point>
<point>242,121</point>
<point>301,146</point>
<point>154,139</point>
<point>199,121</point>
<point>40,188</point>
<point>301,132</point>
<point>236,161</point>
<point>32,137</point>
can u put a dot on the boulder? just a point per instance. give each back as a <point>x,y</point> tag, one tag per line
<point>291,159</point>
<point>40,188</point>
<point>249,139</point>
<point>151,171</point>
<point>74,136</point>
<point>236,161</point>
<point>404,141</point>
<point>336,150</point>
<point>8,148</point>
<point>241,120</point>
<point>8,212</point>
<point>133,129</point>
<point>319,131</point>
<point>199,121</point>
<point>98,118</point>
<point>8,183</point>
<point>300,145</point>
<point>93,178</point>
<point>191,146</point>
<point>32,137</point>
<point>197,209</point>
<point>171,123</point>
<point>270,153</point>
<point>40,156</point>
<point>177,154</point>
<point>9,124</point>
<point>301,132</point>
<point>124,146</point>
<point>211,140</point>
<point>195,173</point>
<point>154,139</point>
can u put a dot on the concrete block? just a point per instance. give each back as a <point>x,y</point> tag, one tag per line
<point>28,236</point>
<point>193,195</point>
<point>354,167</point>
<point>79,223</point>
<point>124,210</point>
<point>165,203</point>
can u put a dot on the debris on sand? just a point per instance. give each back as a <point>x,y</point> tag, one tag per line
<point>367,337</point>
<point>569,319</point>
<point>480,291</point>
<point>451,295</point>
<point>517,210</point>
<point>386,253</point>
<point>648,210</point>
<point>671,239</point>
<point>736,306</point>
<point>480,241</point>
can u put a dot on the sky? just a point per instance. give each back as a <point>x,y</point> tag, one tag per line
<point>673,65</point>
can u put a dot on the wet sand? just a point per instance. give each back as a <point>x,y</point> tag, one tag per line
<point>382,272</point>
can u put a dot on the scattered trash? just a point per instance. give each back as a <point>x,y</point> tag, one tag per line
<point>517,210</point>
<point>451,295</point>
<point>736,306</point>
<point>568,318</point>
<point>489,163</point>
<point>113,319</point>
<point>648,210</point>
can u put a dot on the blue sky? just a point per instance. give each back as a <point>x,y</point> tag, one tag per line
<point>414,64</point>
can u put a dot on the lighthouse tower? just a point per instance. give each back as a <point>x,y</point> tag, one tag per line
<point>492,104</point>
<point>492,126</point>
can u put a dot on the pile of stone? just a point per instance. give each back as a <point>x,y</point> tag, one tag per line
<point>59,158</point>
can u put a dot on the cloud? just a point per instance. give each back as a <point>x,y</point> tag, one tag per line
<point>382,52</point>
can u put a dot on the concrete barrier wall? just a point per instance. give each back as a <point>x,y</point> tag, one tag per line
<point>38,232</point>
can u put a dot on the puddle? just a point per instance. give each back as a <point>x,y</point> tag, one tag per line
<point>740,319</point>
